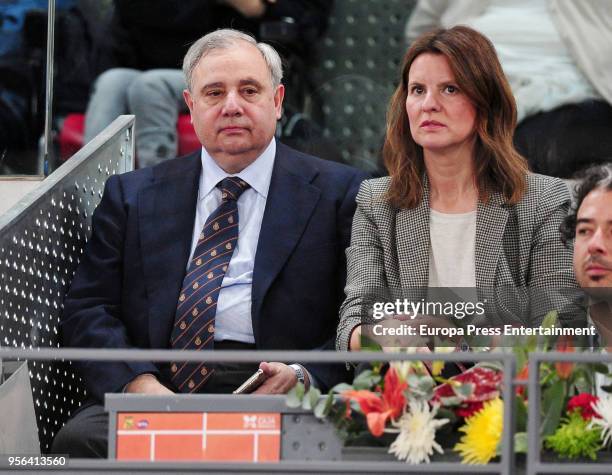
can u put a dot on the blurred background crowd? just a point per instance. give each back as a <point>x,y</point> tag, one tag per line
<point>342,63</point>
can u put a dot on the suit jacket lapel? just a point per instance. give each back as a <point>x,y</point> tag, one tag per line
<point>491,219</point>
<point>290,203</point>
<point>166,215</point>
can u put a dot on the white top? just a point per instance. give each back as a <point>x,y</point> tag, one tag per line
<point>451,249</point>
<point>536,61</point>
<point>233,317</point>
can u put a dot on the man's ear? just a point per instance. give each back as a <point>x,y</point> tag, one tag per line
<point>189,102</point>
<point>279,95</point>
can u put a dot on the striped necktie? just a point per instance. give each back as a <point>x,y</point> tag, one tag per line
<point>195,312</point>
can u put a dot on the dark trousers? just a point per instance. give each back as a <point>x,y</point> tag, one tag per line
<point>85,435</point>
<point>565,140</point>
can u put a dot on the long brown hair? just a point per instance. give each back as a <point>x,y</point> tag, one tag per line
<point>498,166</point>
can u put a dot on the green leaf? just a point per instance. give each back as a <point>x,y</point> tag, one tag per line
<point>295,395</point>
<point>552,405</point>
<point>341,387</point>
<point>600,368</point>
<point>366,380</point>
<point>550,319</point>
<point>520,409</point>
<point>420,386</point>
<point>520,443</point>
<point>367,344</point>
<point>581,381</point>
<point>531,343</point>
<point>324,406</point>
<point>311,399</point>
<point>521,357</point>
<point>464,390</point>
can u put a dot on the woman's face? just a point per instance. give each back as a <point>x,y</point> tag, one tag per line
<point>442,118</point>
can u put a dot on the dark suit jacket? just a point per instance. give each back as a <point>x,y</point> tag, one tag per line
<point>125,291</point>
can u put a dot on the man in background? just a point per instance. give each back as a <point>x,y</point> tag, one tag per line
<point>590,226</point>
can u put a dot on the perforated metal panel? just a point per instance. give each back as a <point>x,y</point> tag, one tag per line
<point>358,69</point>
<point>41,241</point>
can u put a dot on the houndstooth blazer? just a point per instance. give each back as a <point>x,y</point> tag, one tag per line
<point>518,253</point>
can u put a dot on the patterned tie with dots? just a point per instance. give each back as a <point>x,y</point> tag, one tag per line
<point>195,312</point>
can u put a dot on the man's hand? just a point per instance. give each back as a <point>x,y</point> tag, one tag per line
<point>281,378</point>
<point>147,384</point>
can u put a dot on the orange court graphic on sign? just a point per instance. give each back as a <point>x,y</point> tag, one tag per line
<point>218,437</point>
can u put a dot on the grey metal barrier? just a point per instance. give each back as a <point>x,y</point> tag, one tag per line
<point>535,465</point>
<point>42,239</point>
<point>505,466</point>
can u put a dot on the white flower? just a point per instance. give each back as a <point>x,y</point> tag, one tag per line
<point>603,418</point>
<point>402,368</point>
<point>417,438</point>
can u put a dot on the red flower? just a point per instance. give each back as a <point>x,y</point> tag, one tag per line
<point>583,402</point>
<point>485,383</point>
<point>469,409</point>
<point>380,407</point>
<point>523,375</point>
<point>564,369</point>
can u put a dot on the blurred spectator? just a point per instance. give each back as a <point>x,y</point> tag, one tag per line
<point>556,55</point>
<point>23,43</point>
<point>18,82</point>
<point>149,39</point>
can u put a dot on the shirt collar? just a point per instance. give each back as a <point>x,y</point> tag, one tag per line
<point>258,174</point>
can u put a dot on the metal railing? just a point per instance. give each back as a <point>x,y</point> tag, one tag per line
<point>506,465</point>
<point>42,239</point>
<point>535,465</point>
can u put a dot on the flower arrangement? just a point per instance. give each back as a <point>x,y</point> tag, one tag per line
<point>402,407</point>
<point>414,412</point>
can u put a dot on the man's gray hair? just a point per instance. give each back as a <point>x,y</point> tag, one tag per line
<point>224,39</point>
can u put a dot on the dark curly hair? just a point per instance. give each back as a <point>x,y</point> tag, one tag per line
<point>597,176</point>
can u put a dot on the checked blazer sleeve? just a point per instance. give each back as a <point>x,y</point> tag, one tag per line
<point>365,269</point>
<point>550,280</point>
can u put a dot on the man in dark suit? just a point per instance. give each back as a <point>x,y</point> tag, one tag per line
<point>240,246</point>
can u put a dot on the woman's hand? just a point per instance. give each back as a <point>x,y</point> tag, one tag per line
<point>355,339</point>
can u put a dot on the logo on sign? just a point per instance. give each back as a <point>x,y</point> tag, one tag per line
<point>249,422</point>
<point>266,422</point>
<point>128,423</point>
<point>258,422</point>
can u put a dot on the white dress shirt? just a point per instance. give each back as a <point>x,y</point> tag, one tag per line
<point>233,316</point>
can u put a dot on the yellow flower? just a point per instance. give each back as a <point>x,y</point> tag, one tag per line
<point>483,432</point>
<point>437,367</point>
<point>441,347</point>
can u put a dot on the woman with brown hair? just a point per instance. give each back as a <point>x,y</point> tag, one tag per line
<point>460,208</point>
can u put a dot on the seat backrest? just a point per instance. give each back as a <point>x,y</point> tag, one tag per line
<point>356,73</point>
